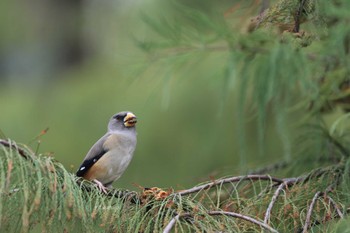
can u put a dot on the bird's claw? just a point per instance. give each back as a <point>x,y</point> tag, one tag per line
<point>100,186</point>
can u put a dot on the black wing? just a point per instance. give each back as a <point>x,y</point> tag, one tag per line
<point>94,154</point>
<point>85,166</point>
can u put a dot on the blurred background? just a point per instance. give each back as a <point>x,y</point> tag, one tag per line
<point>70,65</point>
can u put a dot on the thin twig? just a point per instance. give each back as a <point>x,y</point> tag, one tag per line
<point>335,206</point>
<point>8,177</point>
<point>320,172</point>
<point>298,16</point>
<point>269,169</point>
<point>287,182</point>
<point>292,181</point>
<point>273,200</point>
<point>314,174</point>
<point>172,222</point>
<point>128,195</point>
<point>10,145</point>
<point>315,223</point>
<point>228,180</point>
<point>340,147</point>
<point>244,217</point>
<point>309,212</point>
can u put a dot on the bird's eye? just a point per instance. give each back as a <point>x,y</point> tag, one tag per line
<point>118,117</point>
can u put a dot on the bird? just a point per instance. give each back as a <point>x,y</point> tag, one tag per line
<point>109,157</point>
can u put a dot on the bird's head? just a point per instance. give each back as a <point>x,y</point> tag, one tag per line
<point>122,120</point>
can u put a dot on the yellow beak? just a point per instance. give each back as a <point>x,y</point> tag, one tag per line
<point>130,120</point>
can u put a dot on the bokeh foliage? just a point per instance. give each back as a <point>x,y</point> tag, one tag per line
<point>180,113</point>
<point>217,88</point>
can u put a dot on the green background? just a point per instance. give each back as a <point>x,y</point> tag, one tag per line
<point>187,130</point>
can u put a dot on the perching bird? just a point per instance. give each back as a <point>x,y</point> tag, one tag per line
<point>108,158</point>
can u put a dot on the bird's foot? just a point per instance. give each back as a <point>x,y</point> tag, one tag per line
<point>100,186</point>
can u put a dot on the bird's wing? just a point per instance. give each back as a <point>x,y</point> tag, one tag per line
<point>94,154</point>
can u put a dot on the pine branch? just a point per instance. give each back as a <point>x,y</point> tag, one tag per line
<point>309,212</point>
<point>244,217</point>
<point>273,200</point>
<point>173,221</point>
<point>14,146</point>
<point>126,195</point>
<point>54,184</point>
<point>228,180</point>
<point>269,168</point>
<point>335,206</point>
<point>111,192</point>
<point>298,16</point>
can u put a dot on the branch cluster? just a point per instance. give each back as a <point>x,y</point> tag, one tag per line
<point>219,197</point>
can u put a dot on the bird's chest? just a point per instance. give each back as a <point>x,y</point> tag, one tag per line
<point>114,162</point>
<point>118,161</point>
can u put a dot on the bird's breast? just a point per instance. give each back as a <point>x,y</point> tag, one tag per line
<point>115,161</point>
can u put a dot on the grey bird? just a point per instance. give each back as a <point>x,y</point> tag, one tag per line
<point>109,157</point>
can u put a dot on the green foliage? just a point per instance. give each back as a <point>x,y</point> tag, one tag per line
<point>38,194</point>
<point>271,76</point>
<point>274,71</point>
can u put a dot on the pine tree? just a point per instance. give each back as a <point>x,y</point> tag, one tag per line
<point>290,62</point>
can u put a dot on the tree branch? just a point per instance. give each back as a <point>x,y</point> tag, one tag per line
<point>270,168</point>
<point>14,146</point>
<point>335,206</point>
<point>273,200</point>
<point>244,217</point>
<point>298,16</point>
<point>173,221</point>
<point>128,195</point>
<point>309,212</point>
<point>228,180</point>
